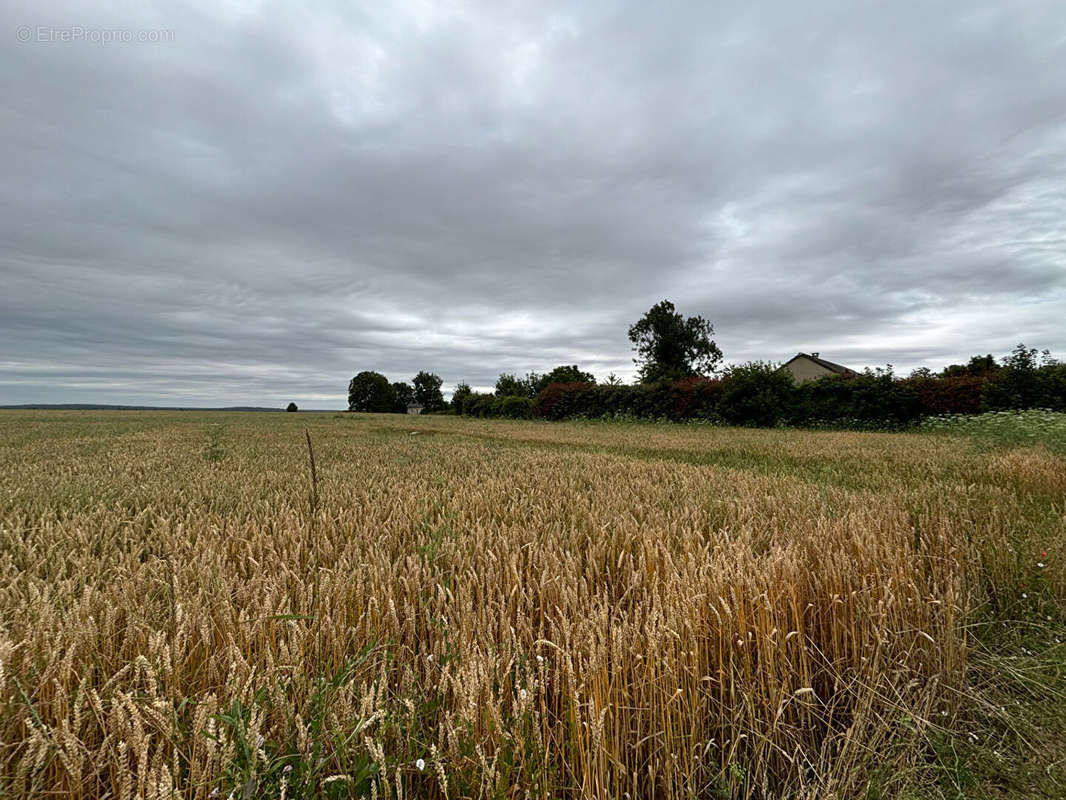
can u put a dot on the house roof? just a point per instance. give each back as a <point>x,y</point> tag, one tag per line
<point>839,369</point>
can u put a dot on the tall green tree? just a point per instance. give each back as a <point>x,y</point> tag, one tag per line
<point>405,395</point>
<point>427,391</point>
<point>1018,383</point>
<point>510,385</point>
<point>671,347</point>
<point>370,391</point>
<point>461,396</point>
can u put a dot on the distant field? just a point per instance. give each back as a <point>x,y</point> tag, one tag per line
<point>463,608</point>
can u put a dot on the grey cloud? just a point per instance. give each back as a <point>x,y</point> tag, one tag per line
<point>281,197</point>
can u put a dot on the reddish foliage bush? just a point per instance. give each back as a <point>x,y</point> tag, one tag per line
<point>954,395</point>
<point>560,400</point>
<point>693,397</point>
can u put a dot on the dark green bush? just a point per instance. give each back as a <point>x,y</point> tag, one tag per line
<point>753,394</point>
<point>513,407</point>
<point>1023,383</point>
<point>870,400</point>
<point>757,393</point>
<point>479,405</point>
<point>1053,387</point>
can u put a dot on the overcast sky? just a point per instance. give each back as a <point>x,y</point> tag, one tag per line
<point>259,200</point>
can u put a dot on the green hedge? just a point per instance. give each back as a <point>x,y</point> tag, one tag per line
<point>759,394</point>
<point>476,404</point>
<point>1015,389</point>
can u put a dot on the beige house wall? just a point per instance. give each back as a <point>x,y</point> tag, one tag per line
<point>803,369</point>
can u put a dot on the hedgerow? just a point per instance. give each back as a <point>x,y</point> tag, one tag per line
<point>760,395</point>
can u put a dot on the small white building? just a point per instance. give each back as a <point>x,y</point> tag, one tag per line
<point>809,367</point>
<point>414,408</point>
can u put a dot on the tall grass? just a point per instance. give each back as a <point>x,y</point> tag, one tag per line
<point>1033,427</point>
<point>492,609</point>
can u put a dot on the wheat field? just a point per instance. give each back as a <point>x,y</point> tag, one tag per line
<point>205,605</point>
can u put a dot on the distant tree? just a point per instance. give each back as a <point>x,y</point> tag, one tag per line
<point>954,371</point>
<point>887,371</point>
<point>1023,359</point>
<point>427,391</point>
<point>460,396</point>
<point>370,391</point>
<point>1018,384</point>
<point>405,395</point>
<point>921,372</point>
<point>671,347</point>
<point>982,365</point>
<point>978,366</point>
<point>508,385</point>
<point>567,373</point>
<point>613,380</point>
<point>291,407</point>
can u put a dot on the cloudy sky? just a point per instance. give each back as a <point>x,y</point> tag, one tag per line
<point>247,203</point>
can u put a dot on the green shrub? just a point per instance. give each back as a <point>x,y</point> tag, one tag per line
<point>871,400</point>
<point>479,405</point>
<point>757,393</point>
<point>1026,381</point>
<point>513,407</point>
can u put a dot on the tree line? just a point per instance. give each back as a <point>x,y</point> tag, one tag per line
<point>680,379</point>
<point>669,346</point>
<point>371,391</point>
